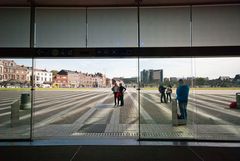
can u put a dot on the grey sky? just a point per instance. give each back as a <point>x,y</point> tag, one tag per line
<point>172,67</point>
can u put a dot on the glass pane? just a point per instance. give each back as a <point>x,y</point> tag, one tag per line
<point>165,26</point>
<point>74,98</point>
<point>15,27</point>
<point>15,98</point>
<point>61,27</point>
<point>112,27</point>
<point>218,87</point>
<point>162,114</point>
<point>216,25</point>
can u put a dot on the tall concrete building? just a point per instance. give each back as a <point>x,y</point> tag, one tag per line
<point>151,76</point>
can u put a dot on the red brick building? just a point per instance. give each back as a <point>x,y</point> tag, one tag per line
<point>61,79</point>
<point>74,79</point>
<point>9,70</point>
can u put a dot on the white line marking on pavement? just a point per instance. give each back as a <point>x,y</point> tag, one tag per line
<point>193,109</point>
<point>212,106</point>
<point>80,122</point>
<point>145,115</point>
<point>115,116</point>
<point>60,114</point>
<point>159,105</point>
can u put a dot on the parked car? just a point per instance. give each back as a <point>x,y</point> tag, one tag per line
<point>46,86</point>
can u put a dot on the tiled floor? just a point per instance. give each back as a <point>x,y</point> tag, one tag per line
<point>118,153</point>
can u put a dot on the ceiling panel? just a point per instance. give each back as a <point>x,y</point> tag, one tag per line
<point>85,2</point>
<point>176,2</point>
<point>109,2</point>
<point>14,2</point>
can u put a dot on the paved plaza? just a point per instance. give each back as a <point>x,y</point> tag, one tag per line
<point>91,113</point>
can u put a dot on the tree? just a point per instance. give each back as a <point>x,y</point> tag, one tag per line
<point>54,72</point>
<point>200,81</point>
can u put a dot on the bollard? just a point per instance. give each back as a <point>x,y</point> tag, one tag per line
<point>238,99</point>
<point>175,120</point>
<point>14,113</point>
<point>174,112</point>
<point>25,101</point>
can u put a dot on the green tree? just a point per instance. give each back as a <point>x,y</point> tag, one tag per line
<point>200,81</point>
<point>54,72</point>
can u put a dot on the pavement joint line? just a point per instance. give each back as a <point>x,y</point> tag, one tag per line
<point>224,129</point>
<point>51,119</point>
<point>56,106</point>
<point>42,111</point>
<point>205,115</point>
<point>159,105</point>
<point>192,109</point>
<point>211,107</point>
<point>4,108</point>
<point>215,100</point>
<point>5,113</point>
<point>115,116</point>
<point>145,115</point>
<point>7,104</point>
<point>80,122</point>
<point>60,100</point>
<point>60,97</point>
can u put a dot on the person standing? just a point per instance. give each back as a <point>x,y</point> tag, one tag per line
<point>115,90</point>
<point>162,89</point>
<point>169,93</point>
<point>121,94</point>
<point>182,98</point>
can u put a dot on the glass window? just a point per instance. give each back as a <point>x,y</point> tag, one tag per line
<point>162,115</point>
<point>15,103</point>
<point>82,107</point>
<point>164,27</point>
<point>217,98</point>
<point>216,25</point>
<point>60,27</point>
<point>15,27</point>
<point>112,27</point>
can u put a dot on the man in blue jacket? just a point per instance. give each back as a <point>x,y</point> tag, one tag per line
<point>182,97</point>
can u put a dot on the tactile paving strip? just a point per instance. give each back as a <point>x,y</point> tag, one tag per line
<point>144,135</point>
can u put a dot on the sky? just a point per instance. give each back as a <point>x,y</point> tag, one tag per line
<point>172,67</point>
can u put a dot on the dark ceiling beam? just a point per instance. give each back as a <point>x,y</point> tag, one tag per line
<point>146,52</point>
<point>28,4</point>
<point>143,5</point>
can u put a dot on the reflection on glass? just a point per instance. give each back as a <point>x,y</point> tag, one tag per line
<point>213,101</point>
<point>83,97</point>
<point>15,98</point>
<point>160,117</point>
<point>217,86</point>
<point>76,98</point>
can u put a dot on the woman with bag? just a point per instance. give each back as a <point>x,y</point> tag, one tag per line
<point>115,90</point>
<point>169,93</point>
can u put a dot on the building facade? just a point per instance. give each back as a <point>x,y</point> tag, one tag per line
<point>75,79</point>
<point>151,76</point>
<point>10,71</point>
<point>42,77</point>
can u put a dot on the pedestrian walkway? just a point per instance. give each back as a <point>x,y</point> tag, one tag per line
<point>93,114</point>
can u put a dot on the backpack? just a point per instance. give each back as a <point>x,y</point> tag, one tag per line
<point>233,105</point>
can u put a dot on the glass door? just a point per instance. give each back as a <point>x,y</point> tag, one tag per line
<point>93,98</point>
<point>15,98</point>
<point>167,99</point>
<point>217,98</point>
